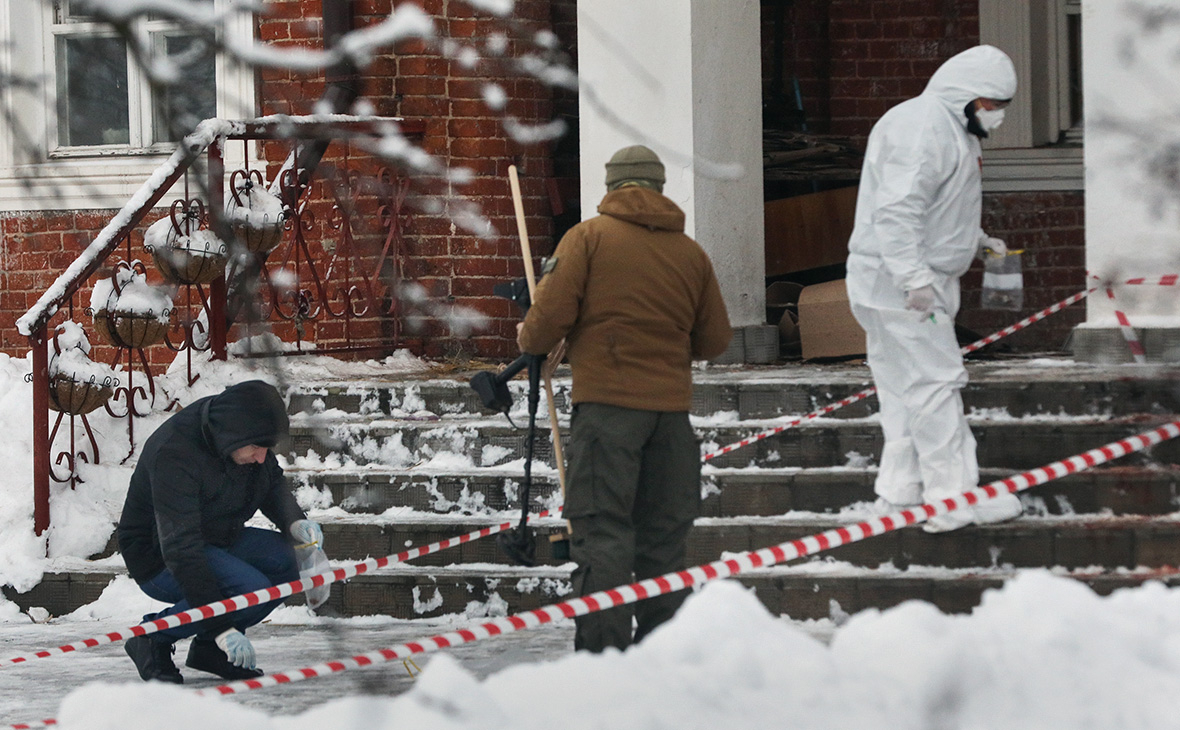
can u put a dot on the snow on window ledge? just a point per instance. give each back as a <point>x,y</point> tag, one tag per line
<point>89,183</point>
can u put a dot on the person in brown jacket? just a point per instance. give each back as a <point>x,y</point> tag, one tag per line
<point>637,301</point>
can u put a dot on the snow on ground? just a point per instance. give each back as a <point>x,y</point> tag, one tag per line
<point>1043,652</point>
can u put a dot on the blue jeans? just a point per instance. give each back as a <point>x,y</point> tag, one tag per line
<point>258,559</point>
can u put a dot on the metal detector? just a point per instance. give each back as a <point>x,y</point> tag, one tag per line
<point>519,543</point>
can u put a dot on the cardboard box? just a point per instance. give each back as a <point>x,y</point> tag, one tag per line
<point>782,309</point>
<point>826,325</point>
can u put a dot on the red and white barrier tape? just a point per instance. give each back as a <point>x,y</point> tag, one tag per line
<point>239,602</point>
<point>764,557</point>
<point>265,595</point>
<point>977,345</point>
<point>236,603</point>
<point>672,582</point>
<point>1168,280</point>
<point>1137,350</point>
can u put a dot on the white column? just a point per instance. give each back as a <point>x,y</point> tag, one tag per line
<point>684,78</point>
<point>1132,205</point>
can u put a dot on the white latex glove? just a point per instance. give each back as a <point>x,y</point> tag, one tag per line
<point>307,533</point>
<point>237,647</point>
<point>920,299</point>
<point>995,245</point>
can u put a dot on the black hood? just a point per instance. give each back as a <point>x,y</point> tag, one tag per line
<point>247,414</point>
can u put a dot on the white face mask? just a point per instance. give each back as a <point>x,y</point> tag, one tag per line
<point>989,119</point>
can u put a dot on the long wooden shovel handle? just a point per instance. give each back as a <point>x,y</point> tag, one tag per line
<point>530,278</point>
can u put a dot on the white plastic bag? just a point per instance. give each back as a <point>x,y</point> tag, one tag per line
<point>1003,281</point>
<point>313,561</point>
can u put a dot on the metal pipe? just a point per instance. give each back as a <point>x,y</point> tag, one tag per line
<point>40,376</point>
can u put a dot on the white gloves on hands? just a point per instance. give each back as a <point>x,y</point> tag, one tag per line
<point>995,245</point>
<point>237,647</point>
<point>307,533</point>
<point>920,299</point>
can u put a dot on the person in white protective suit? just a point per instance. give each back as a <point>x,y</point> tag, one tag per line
<point>916,232</point>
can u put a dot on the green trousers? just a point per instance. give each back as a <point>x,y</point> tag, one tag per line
<point>633,491</point>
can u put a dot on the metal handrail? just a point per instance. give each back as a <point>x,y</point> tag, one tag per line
<point>156,186</point>
<point>209,136</point>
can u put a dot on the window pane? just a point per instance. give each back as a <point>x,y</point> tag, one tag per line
<point>92,91</point>
<point>179,107</point>
<point>65,10</point>
<point>1076,101</point>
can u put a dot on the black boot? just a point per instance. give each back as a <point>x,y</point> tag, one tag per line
<point>153,659</point>
<point>205,655</point>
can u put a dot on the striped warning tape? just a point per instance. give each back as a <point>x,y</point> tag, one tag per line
<point>764,557</point>
<point>672,582</point>
<point>1168,280</point>
<point>237,603</point>
<point>265,595</point>
<point>977,345</point>
<point>1137,350</point>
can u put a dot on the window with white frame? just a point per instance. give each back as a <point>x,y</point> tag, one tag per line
<point>105,94</point>
<point>95,111</point>
<point>1039,145</point>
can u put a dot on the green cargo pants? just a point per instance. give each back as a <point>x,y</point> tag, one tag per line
<point>633,491</point>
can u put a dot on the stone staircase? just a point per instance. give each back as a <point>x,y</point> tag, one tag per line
<point>407,462</point>
<point>422,478</point>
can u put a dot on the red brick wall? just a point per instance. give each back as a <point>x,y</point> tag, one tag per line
<point>456,268</point>
<point>884,52</point>
<point>854,59</point>
<point>1050,227</point>
<point>37,248</point>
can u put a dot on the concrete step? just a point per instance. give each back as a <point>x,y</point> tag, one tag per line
<point>1013,387</point>
<point>804,592</point>
<point>1013,444</point>
<point>730,492</point>
<point>809,591</point>
<point>1077,542</point>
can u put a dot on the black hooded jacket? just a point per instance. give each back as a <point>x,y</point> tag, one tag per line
<point>186,491</point>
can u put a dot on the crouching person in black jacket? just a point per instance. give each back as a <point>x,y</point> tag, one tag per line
<point>200,477</point>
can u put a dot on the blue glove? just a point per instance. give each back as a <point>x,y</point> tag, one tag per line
<point>237,648</point>
<point>307,533</point>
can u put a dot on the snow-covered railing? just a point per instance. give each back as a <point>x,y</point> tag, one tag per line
<point>267,239</point>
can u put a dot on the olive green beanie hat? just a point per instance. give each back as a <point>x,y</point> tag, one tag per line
<point>636,165</point>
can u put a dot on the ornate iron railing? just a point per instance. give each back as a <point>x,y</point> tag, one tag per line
<point>325,277</point>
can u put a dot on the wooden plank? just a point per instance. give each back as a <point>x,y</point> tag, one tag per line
<point>808,231</point>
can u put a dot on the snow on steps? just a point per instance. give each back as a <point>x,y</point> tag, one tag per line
<point>479,441</point>
<point>426,448</point>
<point>414,472</point>
<point>1121,489</point>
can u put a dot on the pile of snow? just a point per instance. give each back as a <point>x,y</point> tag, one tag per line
<point>259,208</point>
<point>129,293</point>
<point>71,360</point>
<point>1043,652</point>
<point>162,237</point>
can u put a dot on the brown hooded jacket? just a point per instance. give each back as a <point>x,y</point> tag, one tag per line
<point>637,300</point>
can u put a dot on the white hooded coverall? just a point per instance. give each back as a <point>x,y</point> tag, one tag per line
<point>917,224</point>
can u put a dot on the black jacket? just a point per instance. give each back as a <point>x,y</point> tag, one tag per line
<point>186,491</point>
